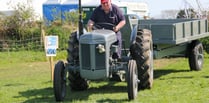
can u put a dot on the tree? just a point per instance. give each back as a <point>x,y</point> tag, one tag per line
<point>188,13</point>
<point>21,20</point>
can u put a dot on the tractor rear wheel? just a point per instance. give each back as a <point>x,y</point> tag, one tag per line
<point>142,51</point>
<point>76,81</point>
<point>73,49</point>
<point>59,83</point>
<point>132,80</point>
<point>196,57</point>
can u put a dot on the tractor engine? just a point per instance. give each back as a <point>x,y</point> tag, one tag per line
<point>94,53</point>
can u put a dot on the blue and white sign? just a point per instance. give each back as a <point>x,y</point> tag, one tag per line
<point>51,45</point>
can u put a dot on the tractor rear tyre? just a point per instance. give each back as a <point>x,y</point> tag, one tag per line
<point>196,57</point>
<point>59,83</point>
<point>77,82</point>
<point>73,49</point>
<point>132,80</point>
<point>142,51</point>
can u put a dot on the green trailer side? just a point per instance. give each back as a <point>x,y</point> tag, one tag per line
<point>175,31</point>
<point>172,37</point>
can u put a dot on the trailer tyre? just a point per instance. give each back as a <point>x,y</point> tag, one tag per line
<point>59,83</point>
<point>196,57</point>
<point>132,80</point>
<point>142,51</point>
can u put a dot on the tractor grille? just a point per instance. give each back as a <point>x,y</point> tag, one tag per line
<point>85,56</point>
<point>91,58</point>
<point>100,60</point>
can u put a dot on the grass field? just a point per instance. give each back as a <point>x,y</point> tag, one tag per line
<point>25,77</point>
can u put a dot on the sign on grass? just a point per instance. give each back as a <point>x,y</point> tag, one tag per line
<point>51,45</point>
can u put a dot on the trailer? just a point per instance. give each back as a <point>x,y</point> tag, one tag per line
<point>173,37</point>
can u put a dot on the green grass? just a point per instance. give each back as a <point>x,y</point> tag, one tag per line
<point>23,79</point>
<point>27,56</point>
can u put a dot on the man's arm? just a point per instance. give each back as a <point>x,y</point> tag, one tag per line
<point>119,26</point>
<point>90,25</point>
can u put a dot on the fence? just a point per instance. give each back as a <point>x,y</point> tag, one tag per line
<point>34,43</point>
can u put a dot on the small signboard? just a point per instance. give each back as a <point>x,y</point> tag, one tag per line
<point>51,45</point>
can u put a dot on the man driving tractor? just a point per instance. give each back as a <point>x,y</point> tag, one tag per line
<point>111,14</point>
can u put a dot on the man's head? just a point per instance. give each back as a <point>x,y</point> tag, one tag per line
<point>106,5</point>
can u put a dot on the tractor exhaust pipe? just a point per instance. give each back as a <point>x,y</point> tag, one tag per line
<point>80,25</point>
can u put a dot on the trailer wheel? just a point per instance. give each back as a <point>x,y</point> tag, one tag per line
<point>196,57</point>
<point>59,83</point>
<point>142,51</point>
<point>132,80</point>
<point>73,49</point>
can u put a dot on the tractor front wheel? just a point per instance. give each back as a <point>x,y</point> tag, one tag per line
<point>132,80</point>
<point>59,83</point>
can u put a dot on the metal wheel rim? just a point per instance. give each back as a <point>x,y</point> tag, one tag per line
<point>135,78</point>
<point>200,57</point>
<point>151,64</point>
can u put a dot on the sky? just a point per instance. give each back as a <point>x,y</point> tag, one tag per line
<point>37,5</point>
<point>155,6</point>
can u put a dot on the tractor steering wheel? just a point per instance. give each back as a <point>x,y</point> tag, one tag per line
<point>108,26</point>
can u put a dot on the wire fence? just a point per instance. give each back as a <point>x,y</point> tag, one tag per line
<point>33,44</point>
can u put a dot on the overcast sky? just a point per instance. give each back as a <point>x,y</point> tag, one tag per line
<point>155,6</point>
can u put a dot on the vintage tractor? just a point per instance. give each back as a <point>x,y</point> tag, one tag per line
<point>93,56</point>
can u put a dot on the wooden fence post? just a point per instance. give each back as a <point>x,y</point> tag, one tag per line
<point>51,61</point>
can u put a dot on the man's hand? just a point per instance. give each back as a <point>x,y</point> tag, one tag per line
<point>90,25</point>
<point>119,26</point>
<point>116,29</point>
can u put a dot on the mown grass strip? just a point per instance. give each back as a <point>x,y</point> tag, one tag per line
<point>29,81</point>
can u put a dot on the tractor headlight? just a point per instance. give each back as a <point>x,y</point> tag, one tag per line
<point>101,48</point>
